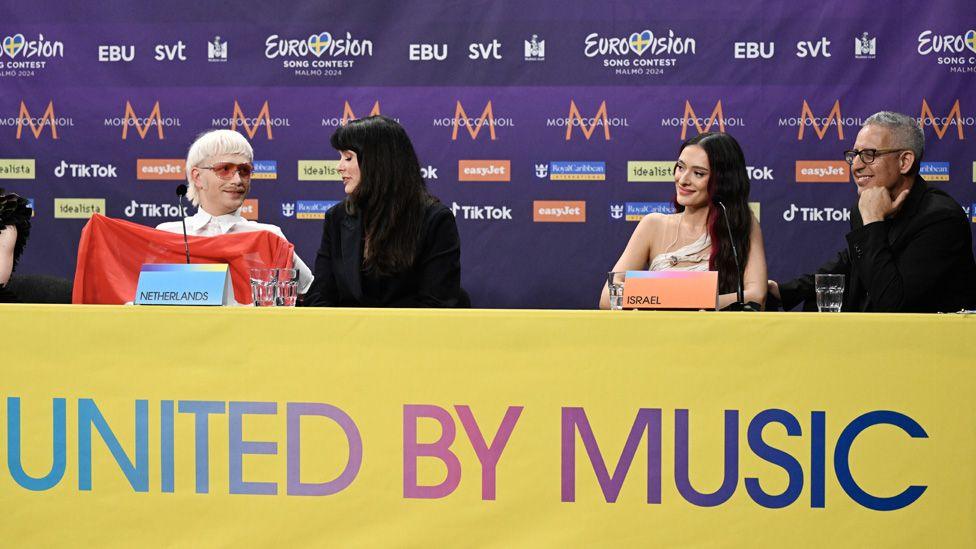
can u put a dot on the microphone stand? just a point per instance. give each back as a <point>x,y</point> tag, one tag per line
<point>181,192</point>
<point>740,304</point>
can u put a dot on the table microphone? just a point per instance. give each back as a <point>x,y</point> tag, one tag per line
<point>740,304</point>
<point>181,192</point>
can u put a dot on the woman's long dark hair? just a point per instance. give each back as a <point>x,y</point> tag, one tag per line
<point>391,196</point>
<point>728,182</point>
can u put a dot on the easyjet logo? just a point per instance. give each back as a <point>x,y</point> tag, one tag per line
<point>822,171</point>
<point>160,168</point>
<point>559,211</point>
<point>484,170</point>
<point>941,124</point>
<point>249,210</point>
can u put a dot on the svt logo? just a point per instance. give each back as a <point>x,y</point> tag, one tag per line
<point>491,50</point>
<point>806,48</point>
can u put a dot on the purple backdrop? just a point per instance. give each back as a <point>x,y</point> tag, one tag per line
<point>646,66</point>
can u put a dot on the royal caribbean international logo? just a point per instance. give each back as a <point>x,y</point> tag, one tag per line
<point>577,171</point>
<point>288,209</point>
<point>21,57</point>
<point>265,169</point>
<point>641,54</point>
<point>313,209</point>
<point>972,211</point>
<point>305,56</point>
<point>635,211</point>
<point>934,171</point>
<point>957,52</point>
<point>542,170</point>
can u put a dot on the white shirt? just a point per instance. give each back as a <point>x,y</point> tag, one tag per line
<point>204,224</point>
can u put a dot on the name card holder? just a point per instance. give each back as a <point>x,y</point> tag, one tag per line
<point>183,284</point>
<point>671,290</point>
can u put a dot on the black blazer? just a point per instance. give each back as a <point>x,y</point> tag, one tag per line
<point>921,260</point>
<point>434,279</point>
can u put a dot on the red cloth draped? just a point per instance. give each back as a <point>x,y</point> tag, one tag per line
<point>112,252</point>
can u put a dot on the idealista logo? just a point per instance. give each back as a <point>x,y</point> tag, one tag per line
<point>941,124</point>
<point>78,208</point>
<point>217,50</point>
<point>484,170</point>
<point>474,125</point>
<point>249,209</point>
<point>143,124</point>
<point>265,169</point>
<point>640,54</point>
<point>535,49</point>
<point>577,171</point>
<point>348,114</point>
<point>160,169</point>
<point>48,121</point>
<point>820,125</point>
<point>816,215</point>
<point>650,171</point>
<point>934,171</point>
<point>33,55</point>
<point>587,125</point>
<point>308,209</point>
<point>865,47</point>
<point>318,170</point>
<point>559,211</point>
<point>251,124</point>
<point>17,168</point>
<point>78,171</point>
<point>139,209</point>
<point>955,51</point>
<point>702,125</point>
<point>304,56</point>
<point>481,213</point>
<point>822,171</point>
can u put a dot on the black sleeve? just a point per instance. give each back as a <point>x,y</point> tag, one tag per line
<point>438,265</point>
<point>905,282</point>
<point>803,290</point>
<point>323,292</point>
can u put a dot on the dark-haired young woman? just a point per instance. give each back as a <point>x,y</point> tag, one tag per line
<point>710,169</point>
<point>390,243</point>
<point>15,215</point>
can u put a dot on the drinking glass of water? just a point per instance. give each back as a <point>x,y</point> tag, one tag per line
<point>830,292</point>
<point>263,287</point>
<point>286,287</point>
<point>615,285</point>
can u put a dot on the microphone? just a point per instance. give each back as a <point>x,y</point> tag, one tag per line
<point>739,305</point>
<point>181,192</point>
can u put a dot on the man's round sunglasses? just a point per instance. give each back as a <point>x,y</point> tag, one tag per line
<point>868,155</point>
<point>226,170</point>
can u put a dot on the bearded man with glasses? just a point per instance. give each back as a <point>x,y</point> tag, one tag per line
<point>910,247</point>
<point>219,166</point>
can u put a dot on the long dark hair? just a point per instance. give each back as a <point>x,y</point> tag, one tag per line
<point>728,182</point>
<point>391,196</point>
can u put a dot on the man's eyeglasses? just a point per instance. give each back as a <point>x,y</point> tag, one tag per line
<point>226,170</point>
<point>868,155</point>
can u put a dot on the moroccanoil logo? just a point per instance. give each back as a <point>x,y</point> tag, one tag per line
<point>691,119</point>
<point>821,125</point>
<point>17,168</point>
<point>349,114</point>
<point>474,125</point>
<point>142,124</point>
<point>654,171</point>
<point>822,171</point>
<point>160,168</point>
<point>78,208</point>
<point>318,170</point>
<point>37,125</point>
<point>251,125</point>
<point>484,170</point>
<point>941,124</point>
<point>559,211</point>
<point>587,125</point>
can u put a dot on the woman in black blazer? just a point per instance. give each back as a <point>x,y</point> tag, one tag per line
<point>390,243</point>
